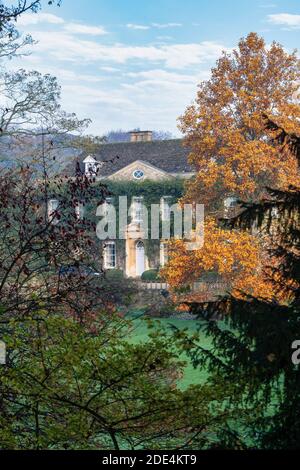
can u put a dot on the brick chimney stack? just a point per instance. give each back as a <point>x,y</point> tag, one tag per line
<point>140,136</point>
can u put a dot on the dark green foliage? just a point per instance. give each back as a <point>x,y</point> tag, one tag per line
<point>85,387</point>
<point>114,275</point>
<point>252,347</point>
<point>150,276</point>
<point>152,191</point>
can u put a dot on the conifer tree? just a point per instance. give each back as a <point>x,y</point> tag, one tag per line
<point>256,350</point>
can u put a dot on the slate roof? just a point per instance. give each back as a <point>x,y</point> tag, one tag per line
<point>167,155</point>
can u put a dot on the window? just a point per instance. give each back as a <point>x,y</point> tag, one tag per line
<point>137,209</point>
<point>79,211</point>
<point>138,174</point>
<point>52,208</point>
<point>109,255</point>
<point>107,203</point>
<point>91,169</point>
<point>2,353</point>
<point>275,213</point>
<point>229,204</point>
<point>91,166</point>
<point>163,254</point>
<point>165,208</point>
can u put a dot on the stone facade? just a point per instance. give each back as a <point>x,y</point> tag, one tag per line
<point>139,160</point>
<point>147,172</point>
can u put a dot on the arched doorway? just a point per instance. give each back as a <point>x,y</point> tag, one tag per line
<point>139,257</point>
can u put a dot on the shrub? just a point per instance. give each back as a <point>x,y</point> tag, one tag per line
<point>114,275</point>
<point>150,276</point>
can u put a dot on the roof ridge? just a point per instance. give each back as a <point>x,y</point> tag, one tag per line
<point>139,143</point>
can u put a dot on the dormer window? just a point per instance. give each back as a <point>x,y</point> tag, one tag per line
<point>91,166</point>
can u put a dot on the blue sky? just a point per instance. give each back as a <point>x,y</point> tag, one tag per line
<point>130,63</point>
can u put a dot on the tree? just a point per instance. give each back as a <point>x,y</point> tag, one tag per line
<point>10,14</point>
<point>254,349</point>
<point>31,100</point>
<point>86,387</point>
<point>30,112</point>
<point>234,155</point>
<point>224,129</point>
<point>72,379</point>
<point>10,41</point>
<point>236,259</point>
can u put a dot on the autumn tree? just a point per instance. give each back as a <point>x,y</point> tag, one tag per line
<point>230,260</point>
<point>235,156</point>
<point>224,128</point>
<point>257,346</point>
<point>257,252</point>
<point>72,377</point>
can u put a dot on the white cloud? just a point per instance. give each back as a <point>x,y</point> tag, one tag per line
<point>87,95</point>
<point>166,25</point>
<point>77,28</point>
<point>153,25</point>
<point>285,19</point>
<point>66,47</point>
<point>158,75</point>
<point>112,82</point>
<point>164,38</point>
<point>35,18</point>
<point>109,69</point>
<point>125,103</point>
<point>137,26</point>
<point>72,76</point>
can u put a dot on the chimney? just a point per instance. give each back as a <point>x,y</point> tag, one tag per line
<point>140,136</point>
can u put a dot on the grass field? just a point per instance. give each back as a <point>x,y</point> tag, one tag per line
<point>191,375</point>
<point>140,334</point>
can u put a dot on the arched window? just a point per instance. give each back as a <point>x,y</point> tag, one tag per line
<point>140,257</point>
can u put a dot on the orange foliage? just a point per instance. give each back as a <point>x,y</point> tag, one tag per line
<point>234,155</point>
<point>236,256</point>
<point>225,128</point>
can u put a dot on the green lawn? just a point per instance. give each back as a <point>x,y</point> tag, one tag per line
<point>140,333</point>
<point>191,375</point>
